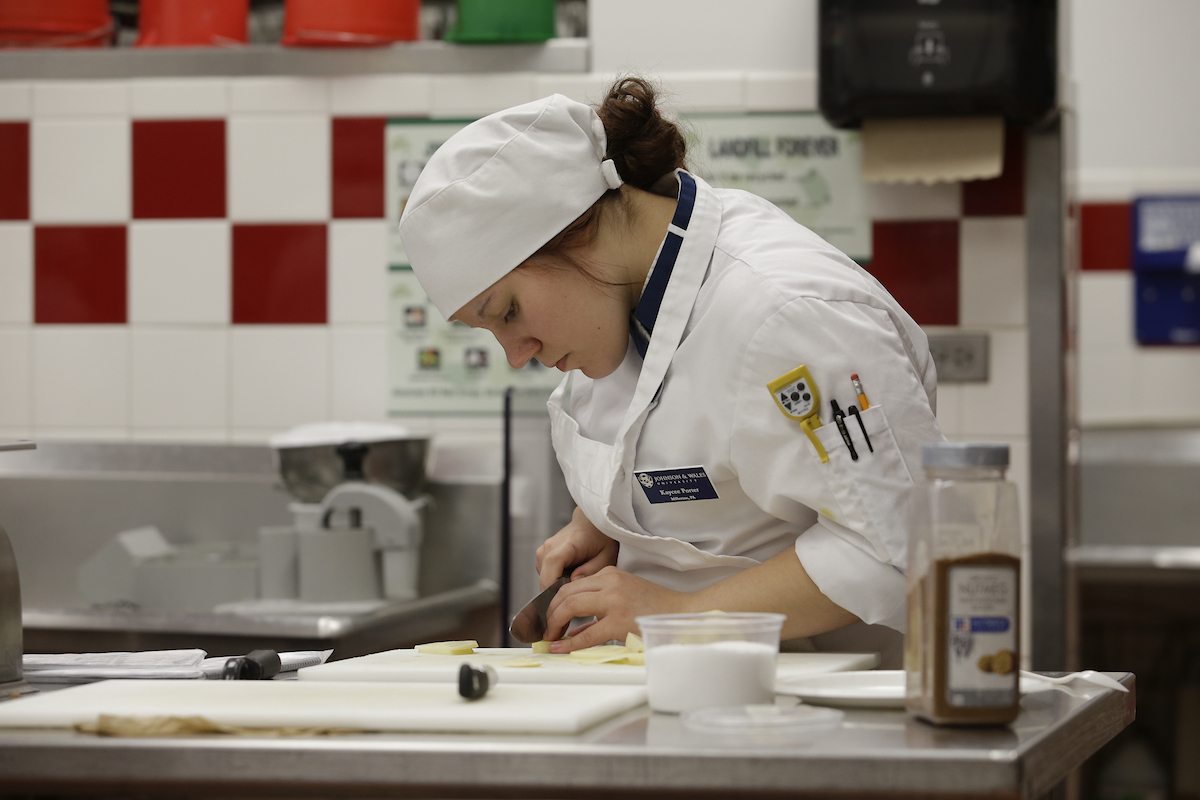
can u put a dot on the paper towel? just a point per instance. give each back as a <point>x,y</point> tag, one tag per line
<point>932,149</point>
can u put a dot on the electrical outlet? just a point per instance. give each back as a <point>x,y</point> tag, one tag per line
<point>960,357</point>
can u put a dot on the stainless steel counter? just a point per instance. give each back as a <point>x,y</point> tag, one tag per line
<point>640,754</point>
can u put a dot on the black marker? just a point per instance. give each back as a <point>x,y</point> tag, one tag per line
<point>854,412</point>
<point>840,419</point>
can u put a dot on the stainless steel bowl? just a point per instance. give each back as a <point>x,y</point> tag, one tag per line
<point>309,472</point>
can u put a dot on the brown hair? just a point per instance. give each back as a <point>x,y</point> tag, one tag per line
<point>643,144</point>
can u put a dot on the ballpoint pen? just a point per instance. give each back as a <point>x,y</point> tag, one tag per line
<point>840,420</point>
<point>854,413</point>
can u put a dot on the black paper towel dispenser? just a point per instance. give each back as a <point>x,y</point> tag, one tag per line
<point>916,58</point>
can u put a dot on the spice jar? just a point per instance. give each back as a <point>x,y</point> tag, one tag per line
<point>962,651</point>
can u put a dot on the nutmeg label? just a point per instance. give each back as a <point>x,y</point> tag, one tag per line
<point>981,661</point>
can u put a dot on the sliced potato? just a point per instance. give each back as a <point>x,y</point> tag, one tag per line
<point>635,643</point>
<point>462,647</point>
<point>522,662</point>
<point>636,659</point>
<point>541,647</point>
<point>599,652</point>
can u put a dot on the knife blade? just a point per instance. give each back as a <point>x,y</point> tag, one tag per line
<point>529,625</point>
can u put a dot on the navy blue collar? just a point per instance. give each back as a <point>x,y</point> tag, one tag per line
<point>643,316</point>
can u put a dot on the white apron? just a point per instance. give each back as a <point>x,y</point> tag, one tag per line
<point>599,475</point>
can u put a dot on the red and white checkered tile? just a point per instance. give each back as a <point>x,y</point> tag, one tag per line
<point>202,258</point>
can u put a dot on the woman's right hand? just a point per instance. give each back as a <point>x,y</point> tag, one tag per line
<point>579,544</point>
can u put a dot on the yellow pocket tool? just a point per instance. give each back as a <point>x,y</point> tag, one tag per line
<point>797,397</point>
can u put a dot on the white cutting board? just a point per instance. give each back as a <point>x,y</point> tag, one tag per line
<point>409,665</point>
<point>516,708</point>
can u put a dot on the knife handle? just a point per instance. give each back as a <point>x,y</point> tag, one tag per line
<point>257,665</point>
<point>474,682</point>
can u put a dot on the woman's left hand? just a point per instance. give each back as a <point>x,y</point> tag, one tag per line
<point>614,597</point>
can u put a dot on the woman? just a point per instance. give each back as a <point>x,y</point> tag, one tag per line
<point>577,238</point>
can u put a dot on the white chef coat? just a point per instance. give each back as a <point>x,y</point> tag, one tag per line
<point>750,296</point>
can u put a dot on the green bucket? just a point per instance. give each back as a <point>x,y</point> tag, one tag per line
<point>482,21</point>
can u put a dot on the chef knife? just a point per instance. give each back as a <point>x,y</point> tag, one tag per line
<point>529,625</point>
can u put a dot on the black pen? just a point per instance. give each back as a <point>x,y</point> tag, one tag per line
<point>840,419</point>
<point>854,413</point>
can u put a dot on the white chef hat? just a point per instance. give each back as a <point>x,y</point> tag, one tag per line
<point>498,190</point>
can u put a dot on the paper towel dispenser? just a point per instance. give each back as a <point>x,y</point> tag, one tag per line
<point>916,58</point>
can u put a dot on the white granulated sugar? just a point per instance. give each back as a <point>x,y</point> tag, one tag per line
<point>685,676</point>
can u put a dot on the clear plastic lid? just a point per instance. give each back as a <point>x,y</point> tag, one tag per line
<point>790,721</point>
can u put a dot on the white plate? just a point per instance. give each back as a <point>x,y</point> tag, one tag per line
<point>877,688</point>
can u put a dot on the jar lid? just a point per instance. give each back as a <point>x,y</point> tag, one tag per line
<point>964,454</point>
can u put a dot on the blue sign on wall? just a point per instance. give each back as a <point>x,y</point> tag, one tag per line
<point>1166,263</point>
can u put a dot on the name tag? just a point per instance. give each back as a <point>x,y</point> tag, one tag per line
<point>676,485</point>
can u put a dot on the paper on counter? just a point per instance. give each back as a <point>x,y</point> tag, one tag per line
<point>149,658</point>
<point>932,149</point>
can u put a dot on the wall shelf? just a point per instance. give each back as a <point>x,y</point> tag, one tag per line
<point>426,57</point>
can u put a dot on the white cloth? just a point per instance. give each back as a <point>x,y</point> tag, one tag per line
<point>498,190</point>
<point>758,295</point>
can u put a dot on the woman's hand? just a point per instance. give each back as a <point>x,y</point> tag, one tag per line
<point>614,597</point>
<point>581,545</point>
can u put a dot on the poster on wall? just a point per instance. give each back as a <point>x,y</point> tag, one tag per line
<point>436,367</point>
<point>796,161</point>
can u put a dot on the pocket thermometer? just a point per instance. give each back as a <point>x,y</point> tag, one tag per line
<point>797,397</point>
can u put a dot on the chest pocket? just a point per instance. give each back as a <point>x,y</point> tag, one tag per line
<point>872,491</point>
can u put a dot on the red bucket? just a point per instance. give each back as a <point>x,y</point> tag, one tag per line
<point>55,23</point>
<point>190,23</point>
<point>350,23</point>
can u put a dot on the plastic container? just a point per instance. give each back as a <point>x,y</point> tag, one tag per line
<point>350,23</point>
<point>55,23</point>
<point>482,21</point>
<point>188,23</point>
<point>702,660</point>
<point>963,648</point>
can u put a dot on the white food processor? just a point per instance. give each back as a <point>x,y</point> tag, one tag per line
<point>358,520</point>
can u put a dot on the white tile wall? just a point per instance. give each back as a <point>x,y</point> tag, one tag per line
<point>358,382</point>
<point>81,379</point>
<point>588,88</point>
<point>1106,313</point>
<point>468,96</point>
<point>16,272</point>
<point>278,95</point>
<point>180,379</point>
<point>175,98</point>
<point>950,410</point>
<point>278,167</point>
<point>1001,406</point>
<point>699,92</point>
<point>16,384</point>
<point>279,378</point>
<point>358,285</point>
<point>80,170</point>
<point>992,277</point>
<point>912,201</point>
<point>380,95</point>
<point>16,100</point>
<point>1169,379</point>
<point>781,91</point>
<point>698,35</point>
<point>80,98</point>
<point>179,272</point>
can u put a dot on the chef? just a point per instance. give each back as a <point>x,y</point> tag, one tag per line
<point>709,429</point>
